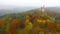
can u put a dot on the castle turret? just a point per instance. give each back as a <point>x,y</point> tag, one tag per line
<point>43,9</point>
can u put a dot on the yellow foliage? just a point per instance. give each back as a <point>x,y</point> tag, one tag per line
<point>44,21</point>
<point>41,32</point>
<point>48,20</point>
<point>48,16</point>
<point>7,29</point>
<point>28,27</point>
<point>27,17</point>
<point>49,33</point>
<point>37,28</point>
<point>57,32</point>
<point>41,21</point>
<point>27,20</point>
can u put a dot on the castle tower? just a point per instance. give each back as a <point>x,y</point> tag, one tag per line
<point>43,9</point>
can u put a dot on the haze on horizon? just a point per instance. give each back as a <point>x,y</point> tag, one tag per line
<point>29,3</point>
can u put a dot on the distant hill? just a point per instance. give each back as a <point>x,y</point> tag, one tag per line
<point>15,10</point>
<point>12,13</point>
<point>24,9</point>
<point>57,9</point>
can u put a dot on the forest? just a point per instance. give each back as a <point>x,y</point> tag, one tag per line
<point>30,22</point>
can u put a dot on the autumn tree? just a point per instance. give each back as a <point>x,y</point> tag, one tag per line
<point>2,23</point>
<point>28,25</point>
<point>58,26</point>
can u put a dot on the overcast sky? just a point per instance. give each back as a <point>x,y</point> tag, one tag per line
<point>38,3</point>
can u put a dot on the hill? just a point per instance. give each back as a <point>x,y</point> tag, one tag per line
<point>33,11</point>
<point>56,9</point>
<point>24,9</point>
<point>31,20</point>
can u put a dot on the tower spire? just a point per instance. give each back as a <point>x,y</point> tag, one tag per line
<point>43,8</point>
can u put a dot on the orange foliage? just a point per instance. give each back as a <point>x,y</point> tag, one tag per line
<point>58,26</point>
<point>51,26</point>
<point>15,21</point>
<point>1,23</point>
<point>11,30</point>
<point>12,27</point>
<point>20,25</point>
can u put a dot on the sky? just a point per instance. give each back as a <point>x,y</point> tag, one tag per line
<point>37,3</point>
